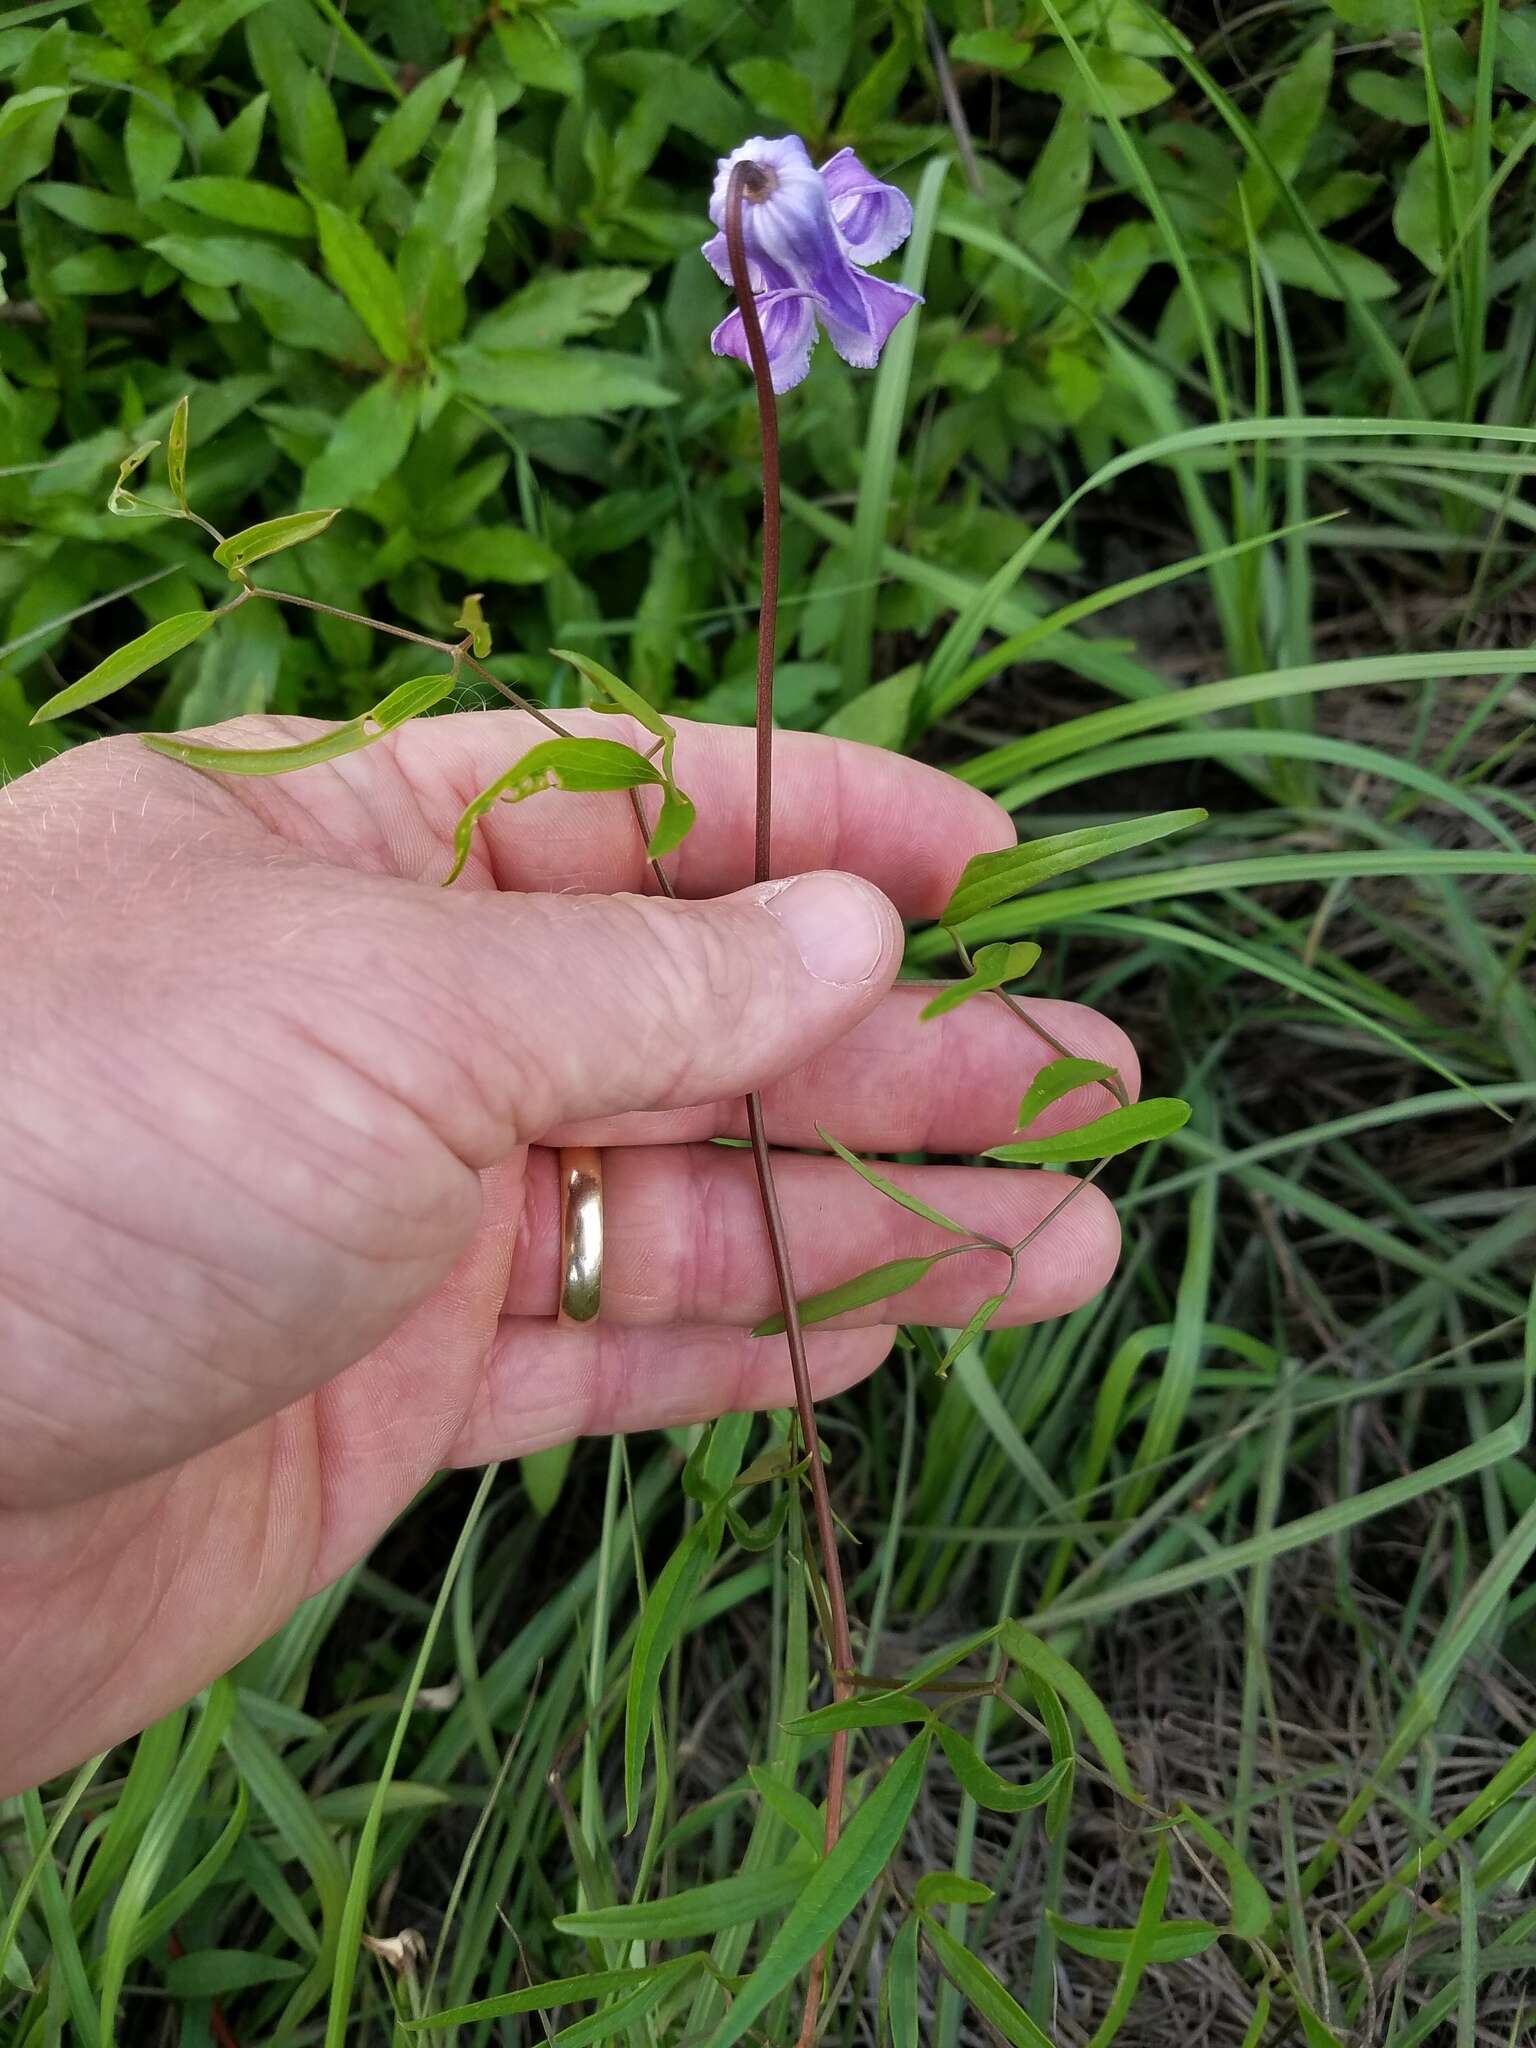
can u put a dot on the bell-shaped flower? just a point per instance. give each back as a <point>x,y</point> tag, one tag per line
<point>808,234</point>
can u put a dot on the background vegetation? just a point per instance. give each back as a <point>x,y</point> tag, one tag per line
<point>1197,274</point>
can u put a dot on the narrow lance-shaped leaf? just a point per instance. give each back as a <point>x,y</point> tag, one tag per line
<point>976,1983</point>
<point>981,1316</point>
<point>1060,1078</point>
<point>558,1991</point>
<point>948,1888</point>
<point>662,1621</point>
<point>1251,1908</point>
<point>898,1988</point>
<point>1117,1131</point>
<point>127,664</point>
<point>1175,1941</point>
<point>176,451</point>
<point>903,1196</point>
<point>998,877</point>
<point>269,538</point>
<point>894,1277</point>
<point>367,283</point>
<point>405,702</point>
<point>831,1892</point>
<point>1038,1660</point>
<point>987,1787</point>
<point>579,765</point>
<point>992,966</point>
<point>1138,1952</point>
<point>705,1909</point>
<point>863,1710</point>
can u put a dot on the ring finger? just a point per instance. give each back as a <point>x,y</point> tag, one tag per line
<point>684,1240</point>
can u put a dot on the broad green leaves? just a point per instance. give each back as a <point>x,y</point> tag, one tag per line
<point>993,878</point>
<point>365,280</point>
<point>169,637</point>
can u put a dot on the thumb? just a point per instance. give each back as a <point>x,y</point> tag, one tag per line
<point>601,1004</point>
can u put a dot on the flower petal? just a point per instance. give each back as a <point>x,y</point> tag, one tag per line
<point>872,218</point>
<point>763,277</point>
<point>883,305</point>
<point>789,334</point>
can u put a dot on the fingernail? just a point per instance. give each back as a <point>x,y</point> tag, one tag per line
<point>840,925</point>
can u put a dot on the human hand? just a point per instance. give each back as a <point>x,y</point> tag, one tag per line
<point>278,1209</point>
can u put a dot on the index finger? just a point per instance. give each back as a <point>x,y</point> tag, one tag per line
<point>907,828</point>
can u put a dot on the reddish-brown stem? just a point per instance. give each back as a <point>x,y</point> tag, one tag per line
<point>750,182</point>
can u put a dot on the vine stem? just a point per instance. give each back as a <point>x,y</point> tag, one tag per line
<point>749,182</point>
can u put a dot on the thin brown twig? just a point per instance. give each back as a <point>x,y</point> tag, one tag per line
<point>749,183</point>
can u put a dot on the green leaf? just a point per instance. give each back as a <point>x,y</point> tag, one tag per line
<point>366,281</point>
<point>125,504</point>
<point>127,664</point>
<point>1345,273</point>
<point>1060,1078</point>
<point>29,122</point>
<point>405,133</point>
<point>560,306</point>
<point>471,620</point>
<point>1127,85</point>
<point>993,965</point>
<point>1139,1950</point>
<point>245,203</point>
<point>980,1317</point>
<point>454,210</point>
<point>889,1188</point>
<point>831,1892</point>
<point>894,1277</point>
<point>1251,1910</point>
<point>948,1888</point>
<point>791,1807</point>
<point>782,91</point>
<point>992,878</point>
<point>176,451</point>
<point>976,1983</point>
<point>981,1783</point>
<point>1000,49</point>
<point>662,1621</point>
<point>685,1916</point>
<point>210,1972</point>
<point>492,554</point>
<point>269,538</point>
<point>559,383</point>
<point>1287,122</point>
<point>620,2017</point>
<point>581,765</point>
<point>1038,1660</point>
<point>368,445</point>
<point>677,816</point>
<point>899,1988</point>
<point>407,701</point>
<point>546,1997</point>
<point>1175,1941</point>
<point>1116,1131</point>
<point>880,715</point>
<point>543,1475</point>
<point>863,1710</point>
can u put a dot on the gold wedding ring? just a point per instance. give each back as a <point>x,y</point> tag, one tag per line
<point>581,1234</point>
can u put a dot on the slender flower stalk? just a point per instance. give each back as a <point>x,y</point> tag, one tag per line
<point>748,184</point>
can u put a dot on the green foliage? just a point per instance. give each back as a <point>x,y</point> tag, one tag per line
<point>437,268</point>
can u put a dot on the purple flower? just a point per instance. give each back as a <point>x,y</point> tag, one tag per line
<point>807,239</point>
